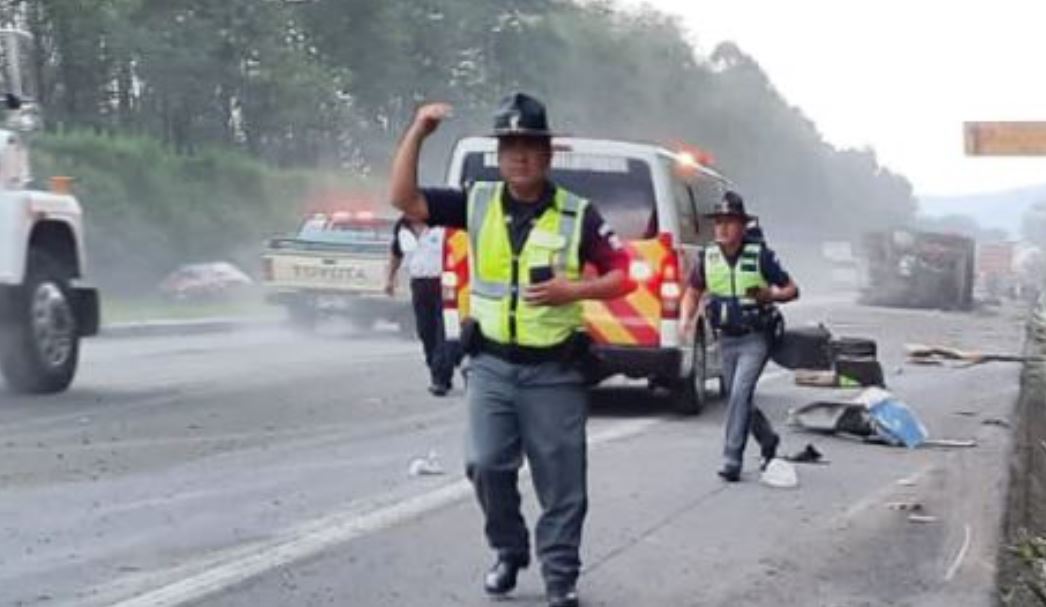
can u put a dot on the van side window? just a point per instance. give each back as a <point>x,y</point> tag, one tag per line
<point>707,191</point>
<point>687,212</point>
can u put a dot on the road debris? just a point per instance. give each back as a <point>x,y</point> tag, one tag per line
<point>830,379</point>
<point>426,466</point>
<point>848,373</point>
<point>950,443</point>
<point>859,371</point>
<point>907,482</point>
<point>804,348</point>
<point>822,361</point>
<point>996,421</point>
<point>832,417</point>
<point>926,362</point>
<point>923,354</point>
<point>816,378</point>
<point>894,421</point>
<point>809,455</point>
<point>780,474</point>
<point>916,511</point>
<point>905,506</point>
<point>874,415</point>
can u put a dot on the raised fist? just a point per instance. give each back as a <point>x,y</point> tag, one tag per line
<point>430,115</point>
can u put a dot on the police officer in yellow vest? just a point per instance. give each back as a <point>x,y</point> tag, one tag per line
<point>743,280</point>
<point>529,241</point>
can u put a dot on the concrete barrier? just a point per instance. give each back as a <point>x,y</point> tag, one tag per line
<point>1021,576</point>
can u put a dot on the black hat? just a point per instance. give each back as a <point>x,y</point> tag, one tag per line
<point>732,205</point>
<point>520,115</point>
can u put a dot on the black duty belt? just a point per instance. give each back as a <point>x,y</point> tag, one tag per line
<point>736,332</point>
<point>525,355</point>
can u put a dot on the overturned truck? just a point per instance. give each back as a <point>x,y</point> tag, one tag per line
<point>907,268</point>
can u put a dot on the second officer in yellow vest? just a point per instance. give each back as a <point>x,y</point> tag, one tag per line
<point>740,281</point>
<point>529,240</point>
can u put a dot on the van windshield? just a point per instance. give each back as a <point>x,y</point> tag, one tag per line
<point>621,188</point>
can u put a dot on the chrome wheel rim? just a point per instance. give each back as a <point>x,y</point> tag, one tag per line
<point>52,325</point>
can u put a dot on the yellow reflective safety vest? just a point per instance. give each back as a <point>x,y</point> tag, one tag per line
<point>728,287</point>
<point>498,277</point>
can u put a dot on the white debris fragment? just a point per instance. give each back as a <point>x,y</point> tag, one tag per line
<point>426,466</point>
<point>780,474</point>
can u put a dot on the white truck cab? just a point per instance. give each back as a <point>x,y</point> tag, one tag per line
<point>46,306</point>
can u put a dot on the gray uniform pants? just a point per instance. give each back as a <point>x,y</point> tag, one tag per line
<point>538,411</point>
<point>744,358</point>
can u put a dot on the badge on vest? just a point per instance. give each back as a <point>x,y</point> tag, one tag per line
<point>546,240</point>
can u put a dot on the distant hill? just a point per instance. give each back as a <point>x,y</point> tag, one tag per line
<point>1001,210</point>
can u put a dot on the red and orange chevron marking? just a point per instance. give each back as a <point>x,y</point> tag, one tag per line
<point>457,261</point>
<point>633,320</point>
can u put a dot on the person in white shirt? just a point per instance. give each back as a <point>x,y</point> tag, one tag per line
<point>420,247</point>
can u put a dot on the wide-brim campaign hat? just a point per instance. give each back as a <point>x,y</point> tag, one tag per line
<point>731,205</point>
<point>520,115</point>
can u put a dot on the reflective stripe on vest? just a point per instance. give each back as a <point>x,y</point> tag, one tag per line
<point>497,300</point>
<point>727,282</point>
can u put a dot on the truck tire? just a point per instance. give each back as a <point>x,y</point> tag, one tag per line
<point>40,340</point>
<point>690,393</point>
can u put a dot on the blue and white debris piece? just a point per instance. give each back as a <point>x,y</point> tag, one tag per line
<point>893,420</point>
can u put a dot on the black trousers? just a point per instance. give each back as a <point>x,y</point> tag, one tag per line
<point>428,315</point>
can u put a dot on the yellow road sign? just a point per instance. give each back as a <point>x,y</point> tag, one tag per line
<point>1005,138</point>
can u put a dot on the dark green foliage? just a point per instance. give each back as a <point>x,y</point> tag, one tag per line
<point>149,209</point>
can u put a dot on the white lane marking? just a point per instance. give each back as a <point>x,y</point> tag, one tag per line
<point>961,554</point>
<point>283,552</point>
<point>335,531</point>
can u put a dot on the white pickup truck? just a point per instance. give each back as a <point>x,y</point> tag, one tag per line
<point>336,264</point>
<point>45,303</point>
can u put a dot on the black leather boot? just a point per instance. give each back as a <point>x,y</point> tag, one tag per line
<point>563,596</point>
<point>501,578</point>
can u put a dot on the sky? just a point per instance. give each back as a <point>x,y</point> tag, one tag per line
<point>900,76</point>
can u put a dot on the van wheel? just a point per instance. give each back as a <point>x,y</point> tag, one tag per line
<point>40,340</point>
<point>690,394</point>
